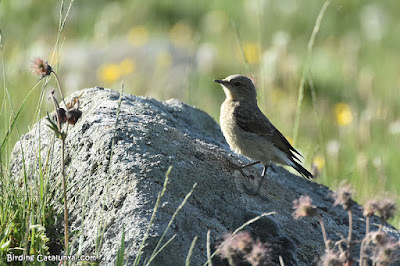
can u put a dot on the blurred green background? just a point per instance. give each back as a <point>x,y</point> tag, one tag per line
<point>167,49</point>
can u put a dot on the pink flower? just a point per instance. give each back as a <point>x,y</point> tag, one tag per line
<point>304,208</point>
<point>41,67</point>
<point>343,196</point>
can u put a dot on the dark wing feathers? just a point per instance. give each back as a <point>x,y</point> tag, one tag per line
<point>258,123</point>
<point>302,170</point>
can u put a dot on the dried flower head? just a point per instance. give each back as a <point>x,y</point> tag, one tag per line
<point>74,103</point>
<point>303,207</point>
<point>370,208</point>
<point>387,253</point>
<point>343,196</point>
<point>239,244</point>
<point>386,209</point>
<point>41,67</point>
<point>60,115</point>
<point>224,249</point>
<point>242,242</point>
<point>73,116</point>
<point>384,249</point>
<point>73,113</point>
<point>259,254</point>
<point>331,258</point>
<point>377,238</point>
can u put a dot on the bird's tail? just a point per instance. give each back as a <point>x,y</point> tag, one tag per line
<point>302,170</point>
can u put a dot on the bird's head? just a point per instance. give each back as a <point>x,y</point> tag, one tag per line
<point>238,88</point>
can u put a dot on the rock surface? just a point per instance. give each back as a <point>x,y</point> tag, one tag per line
<point>116,168</point>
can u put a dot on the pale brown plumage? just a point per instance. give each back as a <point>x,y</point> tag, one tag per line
<point>249,132</point>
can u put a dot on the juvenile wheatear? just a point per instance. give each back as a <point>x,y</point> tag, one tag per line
<point>249,132</point>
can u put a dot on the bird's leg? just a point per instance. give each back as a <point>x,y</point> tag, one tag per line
<point>250,164</point>
<point>262,178</point>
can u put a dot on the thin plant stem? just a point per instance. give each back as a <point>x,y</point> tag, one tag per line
<point>3,102</point>
<point>209,248</point>
<point>246,63</point>
<point>349,237</point>
<point>156,250</point>
<point>153,216</point>
<point>61,25</point>
<point>281,261</point>
<point>321,222</point>
<point>65,197</point>
<point>231,261</point>
<point>59,87</point>
<point>307,67</point>
<point>350,213</point>
<point>187,263</point>
<point>316,113</point>
<point>362,251</point>
<point>64,182</point>
<point>147,263</point>
<point>260,26</point>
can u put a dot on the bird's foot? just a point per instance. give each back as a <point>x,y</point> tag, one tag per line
<point>250,164</point>
<point>257,191</point>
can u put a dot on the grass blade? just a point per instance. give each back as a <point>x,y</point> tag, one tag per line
<point>306,69</point>
<point>191,251</point>
<point>121,251</point>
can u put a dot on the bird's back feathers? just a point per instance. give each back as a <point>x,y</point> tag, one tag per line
<point>256,122</point>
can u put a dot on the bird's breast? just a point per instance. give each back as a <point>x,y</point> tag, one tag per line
<point>230,129</point>
<point>251,145</point>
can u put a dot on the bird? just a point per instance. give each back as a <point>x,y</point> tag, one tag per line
<point>250,133</point>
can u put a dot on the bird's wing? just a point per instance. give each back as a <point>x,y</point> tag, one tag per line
<point>256,122</point>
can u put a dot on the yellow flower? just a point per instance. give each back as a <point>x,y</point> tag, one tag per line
<point>109,73</point>
<point>181,34</point>
<point>343,114</point>
<point>251,52</point>
<point>164,59</point>
<point>127,66</point>
<point>318,162</point>
<point>138,36</point>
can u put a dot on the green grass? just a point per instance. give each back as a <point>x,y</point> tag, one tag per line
<point>346,64</point>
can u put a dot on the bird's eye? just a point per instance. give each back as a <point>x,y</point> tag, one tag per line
<point>237,84</point>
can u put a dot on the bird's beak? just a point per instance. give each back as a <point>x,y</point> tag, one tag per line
<point>220,81</point>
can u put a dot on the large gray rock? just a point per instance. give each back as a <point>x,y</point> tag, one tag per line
<point>111,186</point>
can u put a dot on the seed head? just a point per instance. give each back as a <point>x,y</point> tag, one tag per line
<point>303,207</point>
<point>242,242</point>
<point>370,208</point>
<point>387,253</point>
<point>332,258</point>
<point>385,249</point>
<point>41,67</point>
<point>238,244</point>
<point>377,238</point>
<point>225,249</point>
<point>259,254</point>
<point>343,196</point>
<point>386,209</point>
